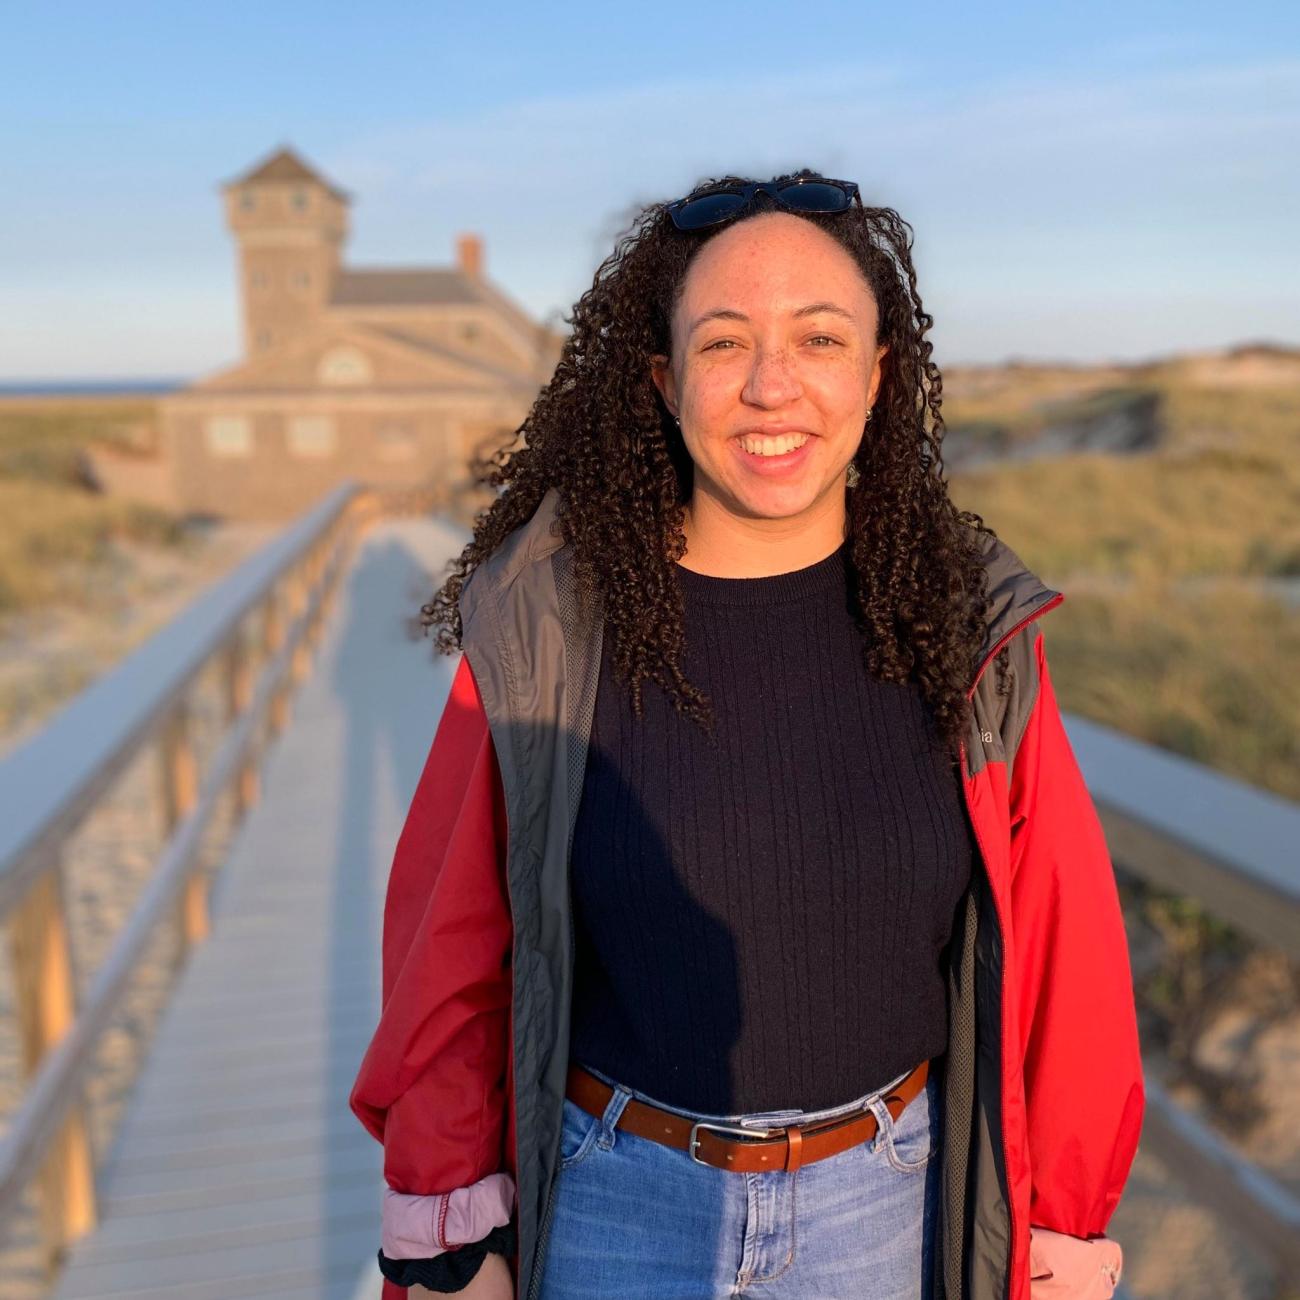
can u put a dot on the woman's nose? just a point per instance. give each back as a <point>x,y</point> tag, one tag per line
<point>773,378</point>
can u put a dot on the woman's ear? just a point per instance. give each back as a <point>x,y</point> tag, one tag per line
<point>661,371</point>
<point>877,373</point>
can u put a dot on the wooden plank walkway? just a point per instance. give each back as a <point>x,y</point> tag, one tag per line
<point>238,1169</point>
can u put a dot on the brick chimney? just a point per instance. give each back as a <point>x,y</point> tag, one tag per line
<point>469,255</point>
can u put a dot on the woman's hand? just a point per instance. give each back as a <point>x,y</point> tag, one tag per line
<point>493,1281</point>
<point>1062,1267</point>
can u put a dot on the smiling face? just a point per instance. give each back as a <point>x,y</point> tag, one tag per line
<point>774,367</point>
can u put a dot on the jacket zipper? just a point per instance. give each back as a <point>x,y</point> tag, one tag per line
<point>544,1232</point>
<point>1002,974</point>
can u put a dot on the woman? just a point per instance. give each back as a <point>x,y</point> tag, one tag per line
<point>725,823</point>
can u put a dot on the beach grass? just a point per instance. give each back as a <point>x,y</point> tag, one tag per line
<point>56,530</point>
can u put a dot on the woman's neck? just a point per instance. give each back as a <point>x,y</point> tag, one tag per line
<point>725,545</point>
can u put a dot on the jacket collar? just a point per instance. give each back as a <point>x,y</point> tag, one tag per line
<point>1016,593</point>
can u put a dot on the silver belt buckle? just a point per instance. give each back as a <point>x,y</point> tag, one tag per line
<point>724,1128</point>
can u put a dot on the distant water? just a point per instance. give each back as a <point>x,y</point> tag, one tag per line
<point>89,387</point>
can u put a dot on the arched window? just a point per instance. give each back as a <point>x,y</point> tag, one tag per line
<point>344,365</point>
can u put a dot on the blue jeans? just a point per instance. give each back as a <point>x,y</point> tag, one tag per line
<point>637,1220</point>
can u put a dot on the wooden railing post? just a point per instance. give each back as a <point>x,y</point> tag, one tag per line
<point>46,998</point>
<point>299,591</point>
<point>238,670</point>
<point>316,572</point>
<point>180,793</point>
<point>273,634</point>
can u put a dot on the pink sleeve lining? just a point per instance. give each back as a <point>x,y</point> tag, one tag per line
<point>420,1227</point>
<point>1062,1267</point>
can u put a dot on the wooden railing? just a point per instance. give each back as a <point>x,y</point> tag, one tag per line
<point>1168,821</point>
<point>1235,849</point>
<point>258,629</point>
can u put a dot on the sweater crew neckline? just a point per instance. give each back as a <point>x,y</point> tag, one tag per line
<point>824,575</point>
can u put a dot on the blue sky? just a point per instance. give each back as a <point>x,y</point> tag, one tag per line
<point>1110,181</point>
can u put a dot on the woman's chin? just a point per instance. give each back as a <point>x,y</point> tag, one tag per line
<point>775,500</point>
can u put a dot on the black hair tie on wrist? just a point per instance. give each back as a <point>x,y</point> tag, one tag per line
<point>453,1270</point>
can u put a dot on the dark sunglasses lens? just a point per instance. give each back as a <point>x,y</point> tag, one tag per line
<point>815,197</point>
<point>707,209</point>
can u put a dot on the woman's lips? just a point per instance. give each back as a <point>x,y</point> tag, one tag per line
<point>775,466</point>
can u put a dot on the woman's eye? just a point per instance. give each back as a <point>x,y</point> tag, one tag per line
<point>730,343</point>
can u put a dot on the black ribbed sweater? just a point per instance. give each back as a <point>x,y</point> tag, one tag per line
<point>759,924</point>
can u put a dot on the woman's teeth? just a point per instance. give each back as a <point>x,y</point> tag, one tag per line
<point>773,446</point>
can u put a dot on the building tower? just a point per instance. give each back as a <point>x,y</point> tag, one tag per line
<point>290,224</point>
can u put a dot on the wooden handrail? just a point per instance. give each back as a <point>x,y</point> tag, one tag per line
<point>49,786</point>
<point>1190,830</point>
<point>1186,828</point>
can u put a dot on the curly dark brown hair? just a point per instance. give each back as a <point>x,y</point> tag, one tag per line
<point>600,433</point>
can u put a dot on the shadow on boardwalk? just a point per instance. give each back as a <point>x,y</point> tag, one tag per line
<point>237,1168</point>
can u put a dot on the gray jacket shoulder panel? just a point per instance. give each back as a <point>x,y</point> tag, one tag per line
<point>1024,686</point>
<point>533,541</point>
<point>1015,593</point>
<point>1014,590</point>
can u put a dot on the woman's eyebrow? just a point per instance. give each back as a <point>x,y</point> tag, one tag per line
<point>718,313</point>
<point>730,313</point>
<point>818,308</point>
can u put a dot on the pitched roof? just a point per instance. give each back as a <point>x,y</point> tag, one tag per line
<point>261,373</point>
<point>285,165</point>
<point>412,286</point>
<point>430,347</point>
<point>423,286</point>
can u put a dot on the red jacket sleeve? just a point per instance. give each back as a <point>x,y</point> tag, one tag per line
<point>1082,1064</point>
<point>431,1086</point>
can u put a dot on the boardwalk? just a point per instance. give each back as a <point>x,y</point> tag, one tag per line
<point>238,1169</point>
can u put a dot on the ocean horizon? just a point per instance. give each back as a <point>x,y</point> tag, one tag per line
<point>89,387</point>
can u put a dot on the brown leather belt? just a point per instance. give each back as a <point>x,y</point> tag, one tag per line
<point>784,1147</point>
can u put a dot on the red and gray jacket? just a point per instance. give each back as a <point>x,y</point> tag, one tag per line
<point>463,1081</point>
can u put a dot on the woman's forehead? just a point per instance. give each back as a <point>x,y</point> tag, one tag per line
<point>773,264</point>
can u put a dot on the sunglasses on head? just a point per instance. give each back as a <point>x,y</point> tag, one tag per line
<point>799,195</point>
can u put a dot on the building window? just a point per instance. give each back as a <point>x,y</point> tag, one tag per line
<point>395,440</point>
<point>263,339</point>
<point>300,279</point>
<point>248,200</point>
<point>229,435</point>
<point>259,279</point>
<point>311,435</point>
<point>300,200</point>
<point>344,365</point>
